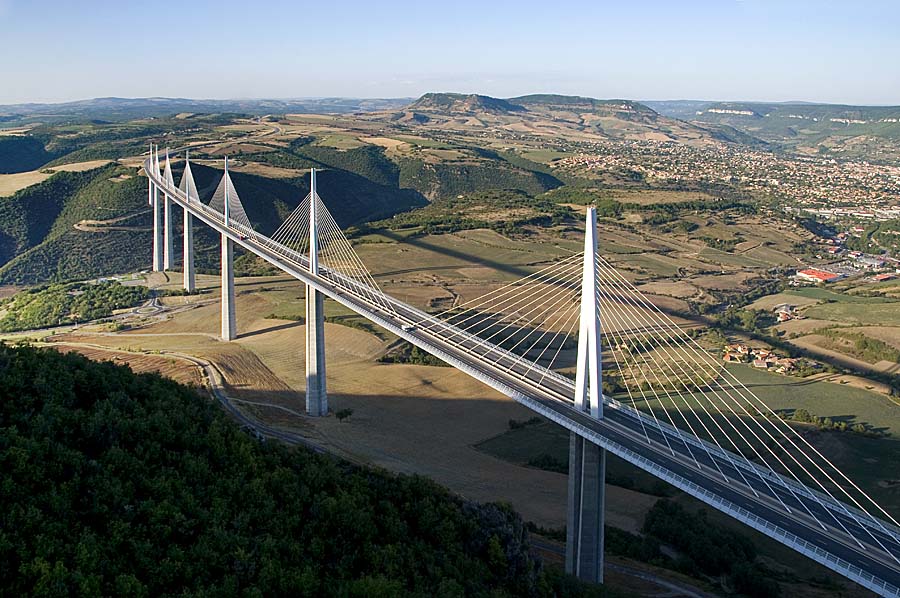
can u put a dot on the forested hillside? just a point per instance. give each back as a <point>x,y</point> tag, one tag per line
<point>21,153</point>
<point>43,235</point>
<point>123,484</point>
<point>39,239</point>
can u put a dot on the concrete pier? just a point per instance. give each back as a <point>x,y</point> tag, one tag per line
<point>168,246</point>
<point>157,229</point>
<point>316,395</point>
<point>190,283</point>
<point>229,325</point>
<point>585,514</point>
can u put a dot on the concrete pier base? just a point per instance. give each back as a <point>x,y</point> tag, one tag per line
<point>316,396</point>
<point>229,325</point>
<point>585,515</point>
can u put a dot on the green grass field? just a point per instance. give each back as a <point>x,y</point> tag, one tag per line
<point>872,314</point>
<point>823,294</point>
<point>825,399</point>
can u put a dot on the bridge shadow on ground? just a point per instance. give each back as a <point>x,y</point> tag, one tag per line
<point>421,243</point>
<point>266,330</point>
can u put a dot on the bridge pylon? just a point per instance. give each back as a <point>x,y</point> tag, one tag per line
<point>190,279</point>
<point>229,324</point>
<point>168,223</point>
<point>316,396</point>
<point>157,214</point>
<point>587,461</point>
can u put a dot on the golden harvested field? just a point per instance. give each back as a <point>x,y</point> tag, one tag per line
<point>650,197</point>
<point>231,148</point>
<point>266,170</point>
<point>170,367</point>
<point>813,343</point>
<point>10,183</point>
<point>801,327</point>
<point>770,301</point>
<point>385,142</point>
<point>676,288</point>
<point>727,282</point>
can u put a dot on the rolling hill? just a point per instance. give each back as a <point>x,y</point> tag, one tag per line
<point>124,109</point>
<point>870,132</point>
<point>44,236</point>
<point>573,118</point>
<point>457,102</point>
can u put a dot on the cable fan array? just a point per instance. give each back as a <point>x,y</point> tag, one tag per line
<point>187,185</point>
<point>337,259</point>
<point>236,213</point>
<point>660,371</point>
<point>664,371</point>
<point>534,319</point>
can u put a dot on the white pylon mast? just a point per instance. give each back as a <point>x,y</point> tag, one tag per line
<point>588,391</point>
<point>225,210</point>
<point>313,229</point>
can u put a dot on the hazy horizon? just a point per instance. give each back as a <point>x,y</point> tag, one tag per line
<point>728,50</point>
<point>412,98</point>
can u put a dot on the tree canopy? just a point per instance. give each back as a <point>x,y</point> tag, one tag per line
<point>115,483</point>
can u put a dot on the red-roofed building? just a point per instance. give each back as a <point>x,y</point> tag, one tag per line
<point>816,275</point>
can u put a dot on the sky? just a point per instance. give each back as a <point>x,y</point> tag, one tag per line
<point>756,50</point>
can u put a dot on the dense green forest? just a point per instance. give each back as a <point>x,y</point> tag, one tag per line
<point>27,216</point>
<point>505,211</point>
<point>431,180</point>
<point>133,485</point>
<point>448,179</point>
<point>39,243</point>
<point>20,153</point>
<point>58,304</point>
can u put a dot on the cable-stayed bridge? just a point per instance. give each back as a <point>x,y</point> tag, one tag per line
<point>551,341</point>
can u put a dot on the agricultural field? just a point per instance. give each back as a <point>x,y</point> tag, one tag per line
<point>10,183</point>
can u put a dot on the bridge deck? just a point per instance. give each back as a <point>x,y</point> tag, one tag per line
<point>850,542</point>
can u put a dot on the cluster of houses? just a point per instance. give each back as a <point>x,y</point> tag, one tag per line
<point>763,359</point>
<point>786,311</point>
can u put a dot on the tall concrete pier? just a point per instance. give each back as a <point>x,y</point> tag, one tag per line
<point>190,282</point>
<point>157,218</point>
<point>168,245</point>
<point>316,396</point>
<point>587,461</point>
<point>229,323</point>
<point>168,224</point>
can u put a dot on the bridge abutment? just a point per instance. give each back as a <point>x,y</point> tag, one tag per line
<point>229,325</point>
